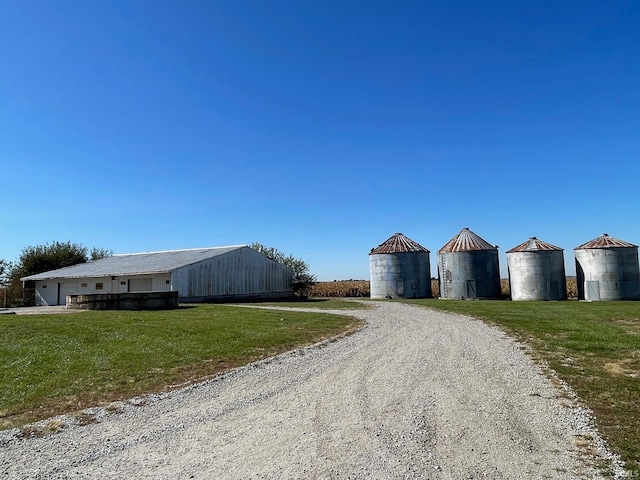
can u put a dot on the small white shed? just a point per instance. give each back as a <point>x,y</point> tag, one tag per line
<point>199,275</point>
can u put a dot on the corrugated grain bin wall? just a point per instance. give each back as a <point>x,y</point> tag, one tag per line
<point>607,269</point>
<point>536,271</point>
<point>400,268</point>
<point>468,267</point>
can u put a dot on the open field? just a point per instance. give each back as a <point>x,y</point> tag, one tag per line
<point>594,347</point>
<point>50,364</point>
<point>361,288</point>
<point>340,288</point>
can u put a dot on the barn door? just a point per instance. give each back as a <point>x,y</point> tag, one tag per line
<point>64,289</point>
<point>471,289</point>
<point>142,284</point>
<point>593,290</point>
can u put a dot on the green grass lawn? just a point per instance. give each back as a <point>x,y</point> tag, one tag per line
<point>52,364</point>
<point>321,303</point>
<point>594,347</point>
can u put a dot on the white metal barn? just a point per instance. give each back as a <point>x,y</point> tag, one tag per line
<point>199,275</point>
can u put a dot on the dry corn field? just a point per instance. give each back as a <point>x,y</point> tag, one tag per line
<point>360,288</point>
<point>341,288</point>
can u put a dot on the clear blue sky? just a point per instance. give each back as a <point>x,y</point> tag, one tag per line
<point>320,128</point>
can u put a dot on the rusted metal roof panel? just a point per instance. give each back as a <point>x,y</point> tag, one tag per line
<point>466,241</point>
<point>605,241</point>
<point>534,245</point>
<point>398,243</point>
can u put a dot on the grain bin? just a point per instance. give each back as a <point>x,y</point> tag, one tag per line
<point>607,269</point>
<point>399,268</point>
<point>536,271</point>
<point>468,267</point>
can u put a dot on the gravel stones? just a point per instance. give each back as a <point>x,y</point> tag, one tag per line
<point>415,394</point>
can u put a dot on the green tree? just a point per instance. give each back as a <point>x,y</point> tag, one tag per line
<point>98,253</point>
<point>5,280</point>
<point>303,280</point>
<point>5,268</point>
<point>42,258</point>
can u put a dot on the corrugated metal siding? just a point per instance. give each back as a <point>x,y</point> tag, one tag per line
<point>162,282</point>
<point>400,275</point>
<point>398,243</point>
<point>469,274</point>
<point>604,241</point>
<point>239,273</point>
<point>466,241</point>
<point>537,274</point>
<point>611,273</point>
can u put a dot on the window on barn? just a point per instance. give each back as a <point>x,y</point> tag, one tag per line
<point>99,286</point>
<point>83,285</point>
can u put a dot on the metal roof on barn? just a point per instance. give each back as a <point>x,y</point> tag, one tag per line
<point>466,241</point>
<point>534,245</point>
<point>398,243</point>
<point>136,263</point>
<point>605,241</point>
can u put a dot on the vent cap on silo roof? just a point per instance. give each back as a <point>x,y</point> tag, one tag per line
<point>466,241</point>
<point>533,245</point>
<point>605,241</point>
<point>398,243</point>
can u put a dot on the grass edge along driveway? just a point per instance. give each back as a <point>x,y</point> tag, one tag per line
<point>593,346</point>
<point>63,363</point>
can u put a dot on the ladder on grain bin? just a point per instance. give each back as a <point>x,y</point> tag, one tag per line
<point>443,277</point>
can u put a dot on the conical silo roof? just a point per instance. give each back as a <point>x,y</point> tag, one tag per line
<point>398,243</point>
<point>533,245</point>
<point>466,241</point>
<point>605,241</point>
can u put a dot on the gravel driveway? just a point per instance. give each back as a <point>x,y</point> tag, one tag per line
<point>415,394</point>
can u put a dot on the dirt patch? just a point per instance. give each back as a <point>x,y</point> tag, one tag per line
<point>627,367</point>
